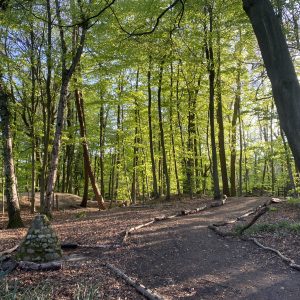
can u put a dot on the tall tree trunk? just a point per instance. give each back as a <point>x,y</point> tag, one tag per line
<point>102,142</point>
<point>135,147</point>
<point>86,156</point>
<point>280,69</point>
<point>211,72</point>
<point>236,110</point>
<point>14,217</point>
<point>65,80</point>
<point>172,133</point>
<point>153,166</point>
<point>222,152</point>
<point>33,138</point>
<point>47,112</point>
<point>161,129</point>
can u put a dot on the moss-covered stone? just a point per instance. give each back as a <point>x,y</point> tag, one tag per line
<point>41,243</point>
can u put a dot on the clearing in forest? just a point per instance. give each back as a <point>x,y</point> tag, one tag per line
<point>178,258</point>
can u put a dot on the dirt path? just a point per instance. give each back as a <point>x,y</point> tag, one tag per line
<point>178,259</point>
<point>182,259</point>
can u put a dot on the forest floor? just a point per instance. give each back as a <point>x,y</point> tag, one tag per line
<point>179,258</point>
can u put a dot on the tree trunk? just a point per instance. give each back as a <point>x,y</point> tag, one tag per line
<point>14,218</point>
<point>86,157</point>
<point>211,72</point>
<point>280,69</point>
<point>153,166</point>
<point>65,80</point>
<point>236,110</point>
<point>135,147</point>
<point>222,152</point>
<point>162,136</point>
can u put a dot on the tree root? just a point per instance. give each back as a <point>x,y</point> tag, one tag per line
<point>162,218</point>
<point>147,293</point>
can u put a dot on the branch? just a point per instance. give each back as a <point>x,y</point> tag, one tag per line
<point>148,294</point>
<point>133,33</point>
<point>80,23</point>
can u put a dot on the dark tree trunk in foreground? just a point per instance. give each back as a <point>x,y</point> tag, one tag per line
<point>280,69</point>
<point>13,207</point>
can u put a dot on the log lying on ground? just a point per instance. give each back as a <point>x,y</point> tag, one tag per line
<point>162,218</point>
<point>31,266</point>
<point>147,293</point>
<point>259,211</point>
<point>287,260</point>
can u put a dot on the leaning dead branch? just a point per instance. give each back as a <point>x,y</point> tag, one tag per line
<point>147,293</point>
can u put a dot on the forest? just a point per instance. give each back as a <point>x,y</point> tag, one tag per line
<point>126,104</point>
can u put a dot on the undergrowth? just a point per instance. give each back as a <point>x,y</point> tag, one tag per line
<point>282,226</point>
<point>13,290</point>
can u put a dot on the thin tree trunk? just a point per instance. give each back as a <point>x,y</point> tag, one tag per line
<point>47,114</point>
<point>86,156</point>
<point>102,144</point>
<point>236,109</point>
<point>153,166</point>
<point>13,207</point>
<point>211,72</point>
<point>222,152</point>
<point>162,136</point>
<point>135,147</point>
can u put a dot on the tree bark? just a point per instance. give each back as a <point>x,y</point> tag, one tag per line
<point>153,165</point>
<point>86,157</point>
<point>162,136</point>
<point>13,207</point>
<point>211,73</point>
<point>65,80</point>
<point>222,152</point>
<point>280,69</point>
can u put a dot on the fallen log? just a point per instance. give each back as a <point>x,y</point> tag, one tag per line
<point>147,293</point>
<point>162,218</point>
<point>130,230</point>
<point>261,212</point>
<point>32,266</point>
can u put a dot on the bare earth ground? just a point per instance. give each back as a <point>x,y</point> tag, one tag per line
<point>178,258</point>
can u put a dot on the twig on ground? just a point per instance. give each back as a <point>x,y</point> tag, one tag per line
<point>8,251</point>
<point>287,260</point>
<point>147,293</point>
